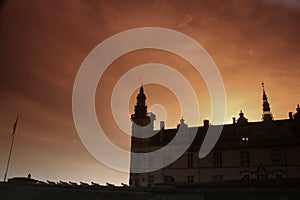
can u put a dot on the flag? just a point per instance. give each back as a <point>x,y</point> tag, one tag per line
<point>15,127</point>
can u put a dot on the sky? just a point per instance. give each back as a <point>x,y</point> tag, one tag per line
<point>43,44</point>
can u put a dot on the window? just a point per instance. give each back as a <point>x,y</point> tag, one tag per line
<point>150,181</point>
<point>245,139</point>
<point>218,177</point>
<point>190,160</point>
<point>279,176</point>
<point>217,159</point>
<point>277,157</point>
<point>190,179</point>
<point>169,179</point>
<point>245,161</point>
<point>262,176</point>
<point>136,182</point>
<point>262,172</point>
<point>245,176</point>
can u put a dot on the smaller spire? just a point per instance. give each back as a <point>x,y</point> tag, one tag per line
<point>297,114</point>
<point>267,115</point>
<point>265,98</point>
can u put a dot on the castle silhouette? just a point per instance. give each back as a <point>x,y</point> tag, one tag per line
<point>262,150</point>
<point>251,160</point>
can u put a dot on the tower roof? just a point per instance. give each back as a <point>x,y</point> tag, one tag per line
<point>267,115</point>
<point>141,94</point>
<point>140,109</point>
<point>242,120</point>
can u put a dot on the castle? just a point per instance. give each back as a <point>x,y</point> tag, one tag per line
<point>262,150</point>
<point>251,160</point>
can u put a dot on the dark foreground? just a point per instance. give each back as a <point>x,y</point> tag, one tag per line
<point>30,189</point>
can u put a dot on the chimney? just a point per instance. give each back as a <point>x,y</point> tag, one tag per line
<point>162,125</point>
<point>233,120</point>
<point>206,123</point>
<point>290,115</point>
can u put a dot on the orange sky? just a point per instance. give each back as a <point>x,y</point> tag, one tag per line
<point>43,44</point>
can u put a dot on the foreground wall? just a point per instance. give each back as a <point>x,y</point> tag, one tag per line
<point>28,189</point>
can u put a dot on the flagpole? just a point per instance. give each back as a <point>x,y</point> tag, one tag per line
<point>11,147</point>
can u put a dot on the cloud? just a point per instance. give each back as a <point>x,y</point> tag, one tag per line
<point>43,44</point>
<point>291,4</point>
<point>187,19</point>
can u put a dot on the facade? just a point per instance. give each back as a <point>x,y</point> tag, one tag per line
<point>262,150</point>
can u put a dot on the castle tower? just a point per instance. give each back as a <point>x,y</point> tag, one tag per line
<point>142,127</point>
<point>142,121</point>
<point>267,115</point>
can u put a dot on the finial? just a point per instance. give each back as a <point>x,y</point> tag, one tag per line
<point>242,120</point>
<point>141,89</point>
<point>241,113</point>
<point>263,84</point>
<point>182,120</point>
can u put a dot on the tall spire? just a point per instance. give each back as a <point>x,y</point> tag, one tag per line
<point>267,115</point>
<point>141,107</point>
<point>140,116</point>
